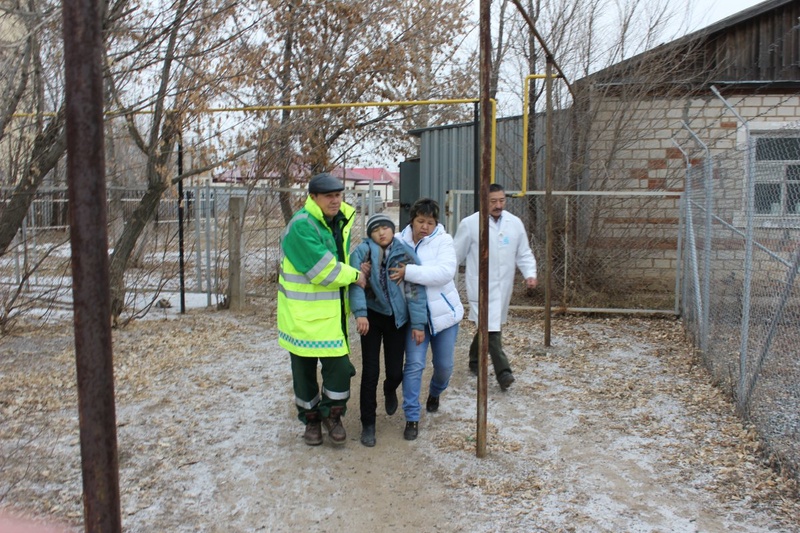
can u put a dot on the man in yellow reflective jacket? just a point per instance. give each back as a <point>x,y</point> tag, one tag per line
<point>313,306</point>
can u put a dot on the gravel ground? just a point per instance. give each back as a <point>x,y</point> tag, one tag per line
<point>613,428</point>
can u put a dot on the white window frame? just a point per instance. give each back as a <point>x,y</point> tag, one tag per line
<point>780,215</point>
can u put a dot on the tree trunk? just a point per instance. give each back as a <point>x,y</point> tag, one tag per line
<point>48,147</point>
<point>125,246</point>
<point>13,96</point>
<point>159,151</point>
<point>157,183</point>
<point>287,209</point>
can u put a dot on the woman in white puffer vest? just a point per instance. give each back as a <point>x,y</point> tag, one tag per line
<point>437,268</point>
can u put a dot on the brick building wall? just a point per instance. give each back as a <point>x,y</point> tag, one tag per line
<point>632,146</point>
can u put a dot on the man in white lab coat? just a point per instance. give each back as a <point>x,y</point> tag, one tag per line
<point>508,249</point>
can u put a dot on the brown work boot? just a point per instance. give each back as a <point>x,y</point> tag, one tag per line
<point>313,434</point>
<point>334,425</point>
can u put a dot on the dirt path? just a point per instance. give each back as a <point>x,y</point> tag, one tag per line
<point>613,429</point>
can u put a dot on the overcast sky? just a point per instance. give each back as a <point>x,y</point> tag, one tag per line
<point>709,11</point>
<point>703,13</point>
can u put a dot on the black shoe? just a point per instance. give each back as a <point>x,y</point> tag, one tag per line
<point>432,405</point>
<point>505,380</point>
<point>473,369</point>
<point>368,435</point>
<point>391,402</point>
<point>411,431</point>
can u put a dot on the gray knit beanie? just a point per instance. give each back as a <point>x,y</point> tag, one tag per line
<point>377,220</point>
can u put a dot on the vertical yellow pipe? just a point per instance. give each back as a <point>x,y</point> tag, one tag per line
<point>494,139</point>
<point>525,127</point>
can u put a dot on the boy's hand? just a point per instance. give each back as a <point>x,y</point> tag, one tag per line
<point>362,325</point>
<point>418,335</point>
<point>366,268</point>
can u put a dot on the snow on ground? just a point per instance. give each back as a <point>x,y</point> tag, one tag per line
<point>613,428</point>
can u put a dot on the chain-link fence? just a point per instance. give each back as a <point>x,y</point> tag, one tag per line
<point>726,259</point>
<point>611,251</point>
<point>264,225</point>
<point>740,291</point>
<point>36,268</point>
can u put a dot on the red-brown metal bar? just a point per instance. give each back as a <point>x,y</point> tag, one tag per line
<point>548,202</point>
<point>483,233</point>
<point>83,43</point>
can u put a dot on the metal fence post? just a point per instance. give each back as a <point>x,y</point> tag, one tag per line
<point>235,278</point>
<point>699,303</point>
<point>199,212</point>
<point>680,287</point>
<point>208,212</point>
<point>709,191</point>
<point>181,263</point>
<point>708,173</point>
<point>748,254</point>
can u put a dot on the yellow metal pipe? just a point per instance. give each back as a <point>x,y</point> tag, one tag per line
<point>29,115</point>
<point>354,104</point>
<point>494,139</point>
<point>289,107</point>
<point>525,121</point>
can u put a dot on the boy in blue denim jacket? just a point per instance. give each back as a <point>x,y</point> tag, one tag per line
<point>383,311</point>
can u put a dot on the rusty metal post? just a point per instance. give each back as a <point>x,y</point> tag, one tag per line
<point>236,294</point>
<point>181,263</point>
<point>83,43</point>
<point>483,233</point>
<point>548,200</point>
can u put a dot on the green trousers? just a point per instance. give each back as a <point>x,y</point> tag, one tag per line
<point>499,359</point>
<point>336,374</point>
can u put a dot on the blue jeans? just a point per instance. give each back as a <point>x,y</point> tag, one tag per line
<point>443,347</point>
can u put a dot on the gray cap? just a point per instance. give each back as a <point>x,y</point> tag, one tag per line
<point>323,183</point>
<point>377,220</point>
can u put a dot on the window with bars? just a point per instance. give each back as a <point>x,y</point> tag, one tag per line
<point>777,175</point>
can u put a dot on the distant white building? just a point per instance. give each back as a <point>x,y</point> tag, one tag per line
<point>383,181</point>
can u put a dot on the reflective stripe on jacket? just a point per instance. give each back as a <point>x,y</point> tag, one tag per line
<point>312,303</point>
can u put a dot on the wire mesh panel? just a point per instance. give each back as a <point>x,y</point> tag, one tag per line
<point>742,300</point>
<point>264,224</point>
<point>611,251</point>
<point>37,267</point>
<point>736,262</point>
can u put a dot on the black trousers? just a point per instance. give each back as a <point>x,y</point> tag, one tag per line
<point>499,359</point>
<point>381,329</point>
